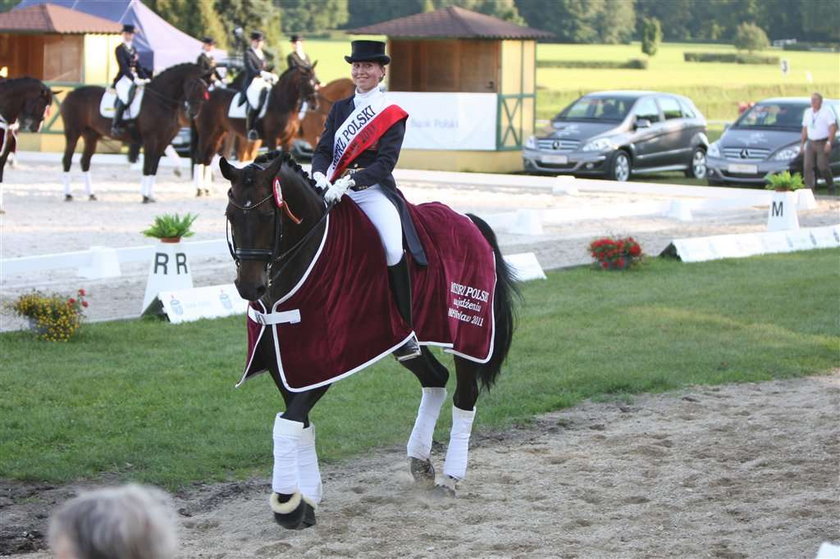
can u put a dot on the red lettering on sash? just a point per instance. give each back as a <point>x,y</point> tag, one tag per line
<point>368,136</point>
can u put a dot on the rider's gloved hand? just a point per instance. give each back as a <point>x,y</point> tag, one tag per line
<point>321,182</point>
<point>140,81</point>
<point>338,189</point>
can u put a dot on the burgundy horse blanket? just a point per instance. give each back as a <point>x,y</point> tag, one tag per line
<point>341,316</point>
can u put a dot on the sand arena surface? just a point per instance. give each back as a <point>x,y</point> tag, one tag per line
<point>731,472</point>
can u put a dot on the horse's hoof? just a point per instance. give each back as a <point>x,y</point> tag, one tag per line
<point>308,517</point>
<point>291,513</point>
<point>68,197</point>
<point>92,198</point>
<point>198,193</point>
<point>447,487</point>
<point>422,471</point>
<point>148,200</point>
<point>207,192</point>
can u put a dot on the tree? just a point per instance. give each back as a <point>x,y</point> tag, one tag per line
<point>198,19</point>
<point>616,23</point>
<point>572,21</point>
<point>820,21</point>
<point>368,12</point>
<point>251,15</point>
<point>312,15</point>
<point>651,35</point>
<point>750,37</point>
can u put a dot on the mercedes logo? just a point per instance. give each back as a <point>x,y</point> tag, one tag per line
<point>555,144</point>
<point>745,153</point>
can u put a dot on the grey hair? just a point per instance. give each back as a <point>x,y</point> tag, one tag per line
<point>818,96</point>
<point>128,522</point>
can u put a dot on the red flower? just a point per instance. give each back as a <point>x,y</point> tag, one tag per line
<point>605,265</point>
<point>84,304</point>
<point>635,250</point>
<point>82,292</point>
<point>71,301</point>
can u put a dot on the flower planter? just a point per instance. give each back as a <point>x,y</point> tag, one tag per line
<point>170,240</point>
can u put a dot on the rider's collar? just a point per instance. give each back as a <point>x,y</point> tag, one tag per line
<point>365,99</point>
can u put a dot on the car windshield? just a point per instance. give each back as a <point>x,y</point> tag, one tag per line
<point>787,116</point>
<point>612,109</point>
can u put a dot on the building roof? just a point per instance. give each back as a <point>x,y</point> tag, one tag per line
<point>49,18</point>
<point>451,22</point>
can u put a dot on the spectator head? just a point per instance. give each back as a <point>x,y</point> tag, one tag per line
<point>128,522</point>
<point>816,101</point>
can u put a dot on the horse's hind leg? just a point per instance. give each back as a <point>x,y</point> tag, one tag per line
<point>432,376</point>
<point>463,413</point>
<point>91,139</point>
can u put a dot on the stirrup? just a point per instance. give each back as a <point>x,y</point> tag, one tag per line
<point>409,350</point>
<point>252,135</point>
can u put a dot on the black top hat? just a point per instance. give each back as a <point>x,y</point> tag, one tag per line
<point>368,51</point>
<point>257,36</point>
<point>208,41</point>
<point>128,28</point>
<point>295,38</point>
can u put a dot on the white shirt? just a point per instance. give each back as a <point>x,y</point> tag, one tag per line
<point>365,99</point>
<point>818,123</point>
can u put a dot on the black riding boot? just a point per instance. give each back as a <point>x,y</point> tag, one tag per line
<point>251,125</point>
<point>117,126</point>
<point>400,282</point>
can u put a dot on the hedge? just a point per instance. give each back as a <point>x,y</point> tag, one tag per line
<point>735,58</point>
<point>632,64</point>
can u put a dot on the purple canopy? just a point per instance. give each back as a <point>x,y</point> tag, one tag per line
<point>159,44</point>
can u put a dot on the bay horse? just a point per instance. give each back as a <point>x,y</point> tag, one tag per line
<point>313,121</point>
<point>283,239</point>
<point>24,104</point>
<point>177,91</point>
<point>279,126</point>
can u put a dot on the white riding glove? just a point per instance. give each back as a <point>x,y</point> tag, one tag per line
<point>321,182</point>
<point>339,189</point>
<point>140,81</point>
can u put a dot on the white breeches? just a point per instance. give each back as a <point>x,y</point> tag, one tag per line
<point>385,217</point>
<point>123,88</point>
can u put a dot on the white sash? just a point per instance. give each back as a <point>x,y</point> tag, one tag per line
<point>351,128</point>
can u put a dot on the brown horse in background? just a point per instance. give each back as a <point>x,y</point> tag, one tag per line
<point>279,126</point>
<point>24,102</point>
<point>179,89</point>
<point>313,122</point>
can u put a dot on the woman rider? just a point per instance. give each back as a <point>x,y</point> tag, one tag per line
<point>368,178</point>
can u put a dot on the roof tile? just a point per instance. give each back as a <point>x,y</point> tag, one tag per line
<point>50,18</point>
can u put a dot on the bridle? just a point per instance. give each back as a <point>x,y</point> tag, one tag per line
<point>172,102</point>
<point>270,255</point>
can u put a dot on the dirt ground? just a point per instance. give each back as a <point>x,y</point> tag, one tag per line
<point>737,471</point>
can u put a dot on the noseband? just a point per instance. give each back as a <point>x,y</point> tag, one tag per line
<point>257,254</point>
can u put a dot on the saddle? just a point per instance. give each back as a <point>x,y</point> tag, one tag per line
<point>254,99</point>
<point>108,103</point>
<point>345,298</point>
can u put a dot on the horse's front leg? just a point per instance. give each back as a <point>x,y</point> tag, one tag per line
<point>432,376</point>
<point>296,478</point>
<point>152,151</point>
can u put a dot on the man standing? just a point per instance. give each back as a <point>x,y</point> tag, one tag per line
<point>208,63</point>
<point>819,126</point>
<point>129,76</point>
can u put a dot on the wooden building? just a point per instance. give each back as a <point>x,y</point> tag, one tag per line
<point>59,46</point>
<point>468,82</point>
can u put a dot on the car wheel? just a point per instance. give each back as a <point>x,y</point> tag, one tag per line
<point>697,170</point>
<point>620,166</point>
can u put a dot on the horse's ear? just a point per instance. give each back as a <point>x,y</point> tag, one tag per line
<point>274,167</point>
<point>56,91</point>
<point>226,168</point>
<point>314,64</point>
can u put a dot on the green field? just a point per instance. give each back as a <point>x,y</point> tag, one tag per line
<point>151,401</point>
<point>716,88</point>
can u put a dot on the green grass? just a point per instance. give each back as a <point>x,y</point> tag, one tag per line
<point>716,88</point>
<point>155,402</point>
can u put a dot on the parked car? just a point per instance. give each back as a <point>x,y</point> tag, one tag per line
<point>618,133</point>
<point>765,140</point>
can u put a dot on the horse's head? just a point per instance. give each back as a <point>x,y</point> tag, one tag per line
<point>195,95</point>
<point>271,207</point>
<point>36,107</point>
<point>308,86</point>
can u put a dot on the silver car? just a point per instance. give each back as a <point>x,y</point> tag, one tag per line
<point>616,133</point>
<point>765,140</point>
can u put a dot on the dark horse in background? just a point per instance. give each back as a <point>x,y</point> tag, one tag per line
<point>312,125</point>
<point>177,92</point>
<point>278,222</point>
<point>24,103</point>
<point>278,127</point>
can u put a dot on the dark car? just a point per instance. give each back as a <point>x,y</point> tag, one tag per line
<point>763,141</point>
<point>617,133</point>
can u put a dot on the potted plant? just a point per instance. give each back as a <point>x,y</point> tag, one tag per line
<point>53,317</point>
<point>615,253</point>
<point>170,228</point>
<point>785,182</point>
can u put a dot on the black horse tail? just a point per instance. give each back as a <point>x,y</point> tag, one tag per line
<point>505,299</point>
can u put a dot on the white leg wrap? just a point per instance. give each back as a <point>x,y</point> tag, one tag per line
<point>144,181</point>
<point>455,464</point>
<point>150,185</point>
<point>309,475</point>
<point>208,176</point>
<point>287,435</point>
<point>88,183</point>
<point>173,156</point>
<point>420,442</point>
<point>65,182</point>
<point>198,176</point>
